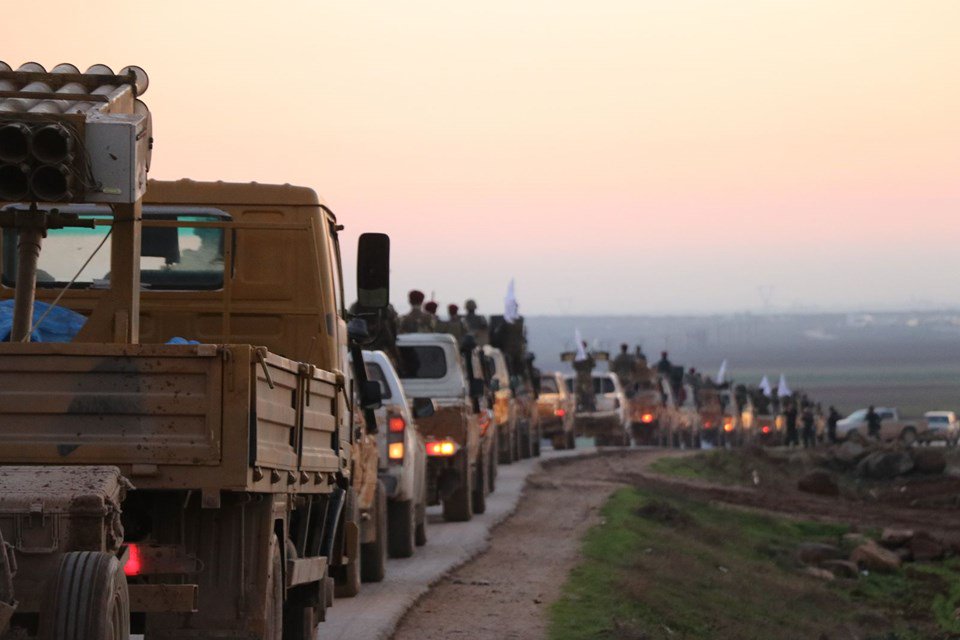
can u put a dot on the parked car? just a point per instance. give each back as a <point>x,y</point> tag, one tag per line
<point>403,459</point>
<point>556,406</point>
<point>609,422</point>
<point>891,426</point>
<point>943,426</point>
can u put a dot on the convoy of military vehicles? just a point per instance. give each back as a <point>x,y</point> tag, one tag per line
<point>198,438</point>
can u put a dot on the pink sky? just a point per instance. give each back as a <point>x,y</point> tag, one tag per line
<point>617,156</point>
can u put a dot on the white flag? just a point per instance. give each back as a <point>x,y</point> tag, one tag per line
<point>722,373</point>
<point>581,352</point>
<point>765,387</point>
<point>511,309</point>
<point>783,390</point>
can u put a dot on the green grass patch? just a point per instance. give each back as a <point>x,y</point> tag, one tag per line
<point>672,567</point>
<point>716,466</point>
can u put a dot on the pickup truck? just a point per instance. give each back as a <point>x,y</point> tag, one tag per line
<point>608,423</point>
<point>504,404</point>
<point>556,406</point>
<point>442,379</point>
<point>891,426</point>
<point>403,459</point>
<point>207,487</point>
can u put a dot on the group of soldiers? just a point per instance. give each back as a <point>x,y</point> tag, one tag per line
<point>423,318</point>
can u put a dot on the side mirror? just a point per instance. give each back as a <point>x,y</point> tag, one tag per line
<point>476,388</point>
<point>495,384</point>
<point>373,271</point>
<point>371,395</point>
<point>423,408</point>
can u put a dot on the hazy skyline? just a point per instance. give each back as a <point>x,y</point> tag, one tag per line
<point>614,156</point>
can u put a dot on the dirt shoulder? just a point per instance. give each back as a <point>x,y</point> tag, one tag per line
<point>505,592</point>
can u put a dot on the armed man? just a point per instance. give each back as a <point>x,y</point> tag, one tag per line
<point>624,365</point>
<point>454,325</point>
<point>417,320</point>
<point>583,365</point>
<point>476,323</point>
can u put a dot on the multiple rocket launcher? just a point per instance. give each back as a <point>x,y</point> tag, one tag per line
<point>67,136</point>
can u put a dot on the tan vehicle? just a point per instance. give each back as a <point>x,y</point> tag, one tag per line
<point>504,404</point>
<point>209,486</point>
<point>556,406</point>
<point>450,409</point>
<point>510,338</point>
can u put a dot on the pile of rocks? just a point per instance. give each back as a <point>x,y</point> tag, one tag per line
<point>872,462</point>
<point>857,553</point>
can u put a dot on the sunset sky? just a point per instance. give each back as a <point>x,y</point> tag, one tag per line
<point>614,156</point>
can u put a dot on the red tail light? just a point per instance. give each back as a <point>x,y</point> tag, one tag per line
<point>766,429</point>
<point>559,413</point>
<point>397,424</point>
<point>134,564</point>
<point>646,418</point>
<point>707,425</point>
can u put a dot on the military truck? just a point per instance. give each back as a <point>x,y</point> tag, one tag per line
<point>181,460</point>
<point>443,380</point>
<point>511,339</point>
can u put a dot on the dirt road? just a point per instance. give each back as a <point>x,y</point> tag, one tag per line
<point>503,594</point>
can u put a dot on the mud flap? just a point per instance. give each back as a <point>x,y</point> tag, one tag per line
<point>450,480</point>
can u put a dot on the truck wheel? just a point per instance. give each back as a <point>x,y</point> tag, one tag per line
<point>373,555</point>
<point>347,578</point>
<point>402,521</point>
<point>571,440</point>
<point>480,487</point>
<point>535,440</point>
<point>300,623</point>
<point>492,465</point>
<point>459,506</point>
<point>525,448</point>
<point>89,600</point>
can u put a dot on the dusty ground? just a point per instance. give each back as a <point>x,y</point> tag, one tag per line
<point>505,592</point>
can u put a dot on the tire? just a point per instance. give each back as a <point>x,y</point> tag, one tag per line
<point>402,528</point>
<point>571,440</point>
<point>480,487</point>
<point>459,506</point>
<point>373,555</point>
<point>535,440</point>
<point>89,599</point>
<point>347,578</point>
<point>300,623</point>
<point>492,482</point>
<point>526,450</point>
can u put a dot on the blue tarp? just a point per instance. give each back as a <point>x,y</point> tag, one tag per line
<point>60,325</point>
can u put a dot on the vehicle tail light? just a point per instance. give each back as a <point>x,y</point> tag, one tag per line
<point>134,564</point>
<point>766,428</point>
<point>646,418</point>
<point>728,425</point>
<point>559,413</point>
<point>395,451</point>
<point>397,424</point>
<point>707,425</point>
<point>441,448</point>
<point>485,421</point>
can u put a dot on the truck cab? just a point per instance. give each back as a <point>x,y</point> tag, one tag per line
<point>445,386</point>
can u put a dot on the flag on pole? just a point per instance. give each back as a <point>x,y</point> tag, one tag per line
<point>581,352</point>
<point>511,308</point>
<point>783,390</point>
<point>765,387</point>
<point>722,374</point>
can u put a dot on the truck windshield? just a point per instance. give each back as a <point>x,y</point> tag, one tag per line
<point>427,362</point>
<point>375,372</point>
<point>173,258</point>
<point>548,385</point>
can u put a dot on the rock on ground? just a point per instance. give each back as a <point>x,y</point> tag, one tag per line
<point>873,557</point>
<point>924,547</point>
<point>841,568</point>
<point>816,553</point>
<point>893,537</point>
<point>885,465</point>
<point>820,483</point>
<point>931,461</point>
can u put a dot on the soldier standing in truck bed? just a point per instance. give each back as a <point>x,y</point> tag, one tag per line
<point>416,321</point>
<point>476,323</point>
<point>624,365</point>
<point>586,401</point>
<point>454,325</point>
